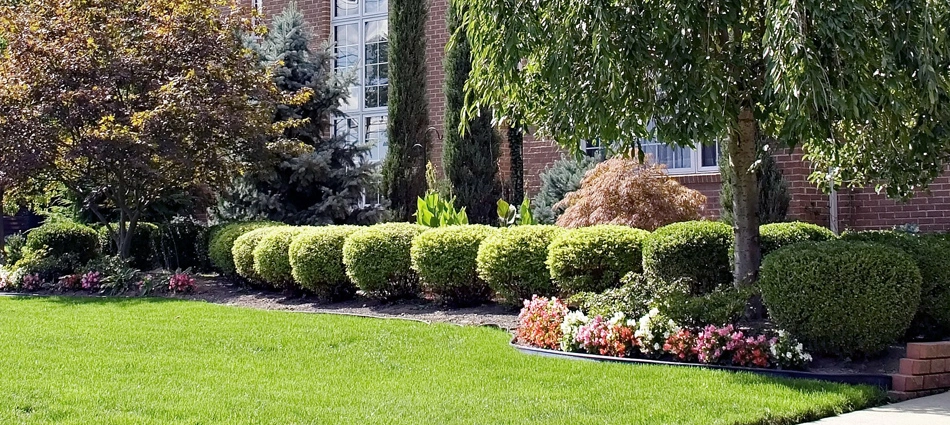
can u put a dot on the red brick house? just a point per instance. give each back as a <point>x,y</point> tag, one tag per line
<point>358,29</point>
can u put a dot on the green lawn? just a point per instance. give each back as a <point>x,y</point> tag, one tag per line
<point>81,361</point>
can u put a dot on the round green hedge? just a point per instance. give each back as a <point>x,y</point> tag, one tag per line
<point>932,257</point>
<point>243,252</point>
<point>142,253</point>
<point>221,242</point>
<point>777,235</point>
<point>62,238</point>
<point>445,257</point>
<point>316,260</point>
<point>272,256</point>
<point>377,259</point>
<point>596,258</point>
<point>839,297</point>
<point>693,250</point>
<point>513,262</point>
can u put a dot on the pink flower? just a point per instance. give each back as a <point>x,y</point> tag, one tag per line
<point>181,282</point>
<point>91,280</point>
<point>539,323</point>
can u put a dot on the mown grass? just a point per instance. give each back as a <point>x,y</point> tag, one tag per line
<point>141,361</point>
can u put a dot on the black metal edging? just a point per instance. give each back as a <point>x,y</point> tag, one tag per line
<point>878,380</point>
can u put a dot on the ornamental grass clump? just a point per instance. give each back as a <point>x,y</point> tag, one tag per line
<point>625,192</point>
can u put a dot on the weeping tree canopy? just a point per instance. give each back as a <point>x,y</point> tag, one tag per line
<point>861,85</point>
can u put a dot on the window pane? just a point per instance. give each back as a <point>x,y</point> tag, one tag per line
<point>672,157</point>
<point>346,7</point>
<point>377,138</point>
<point>348,129</point>
<point>710,155</point>
<point>375,78</point>
<point>376,6</point>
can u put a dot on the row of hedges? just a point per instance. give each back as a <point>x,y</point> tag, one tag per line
<point>467,264</point>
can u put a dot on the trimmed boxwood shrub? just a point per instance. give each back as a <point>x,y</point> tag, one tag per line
<point>932,257</point>
<point>445,257</point>
<point>513,262</point>
<point>243,252</point>
<point>839,297</point>
<point>142,253</point>
<point>593,259</point>
<point>777,235</point>
<point>62,238</point>
<point>316,260</point>
<point>221,242</point>
<point>377,259</point>
<point>693,250</point>
<point>272,256</point>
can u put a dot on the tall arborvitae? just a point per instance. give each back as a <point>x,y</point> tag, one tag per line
<point>318,177</point>
<point>516,160</point>
<point>470,159</point>
<point>404,170</point>
<point>774,198</point>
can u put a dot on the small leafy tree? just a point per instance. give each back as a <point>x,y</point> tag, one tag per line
<point>471,159</point>
<point>319,177</point>
<point>136,100</point>
<point>405,164</point>
<point>625,192</point>
<point>773,189</point>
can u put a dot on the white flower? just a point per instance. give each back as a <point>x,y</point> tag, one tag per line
<point>788,355</point>
<point>656,346</point>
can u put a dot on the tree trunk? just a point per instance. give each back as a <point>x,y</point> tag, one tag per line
<point>515,145</point>
<point>742,155</point>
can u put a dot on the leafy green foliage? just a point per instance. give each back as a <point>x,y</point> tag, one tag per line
<point>932,258</point>
<point>510,215</point>
<point>445,258</point>
<point>512,261</point>
<point>434,211</point>
<point>63,238</point>
<point>182,244</point>
<point>593,259</point>
<point>13,246</point>
<point>316,259</point>
<point>724,305</point>
<point>378,259</point>
<point>318,176</point>
<point>272,256</point>
<point>773,188</point>
<point>631,299</point>
<point>408,128</point>
<point>243,251</point>
<point>839,297</point>
<point>470,159</point>
<point>778,235</point>
<point>142,252</point>
<point>221,242</point>
<point>560,178</point>
<point>130,139</point>
<point>693,250</point>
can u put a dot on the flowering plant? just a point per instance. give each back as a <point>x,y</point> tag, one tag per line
<point>181,282</point>
<point>653,331</point>
<point>788,353</point>
<point>91,280</point>
<point>569,328</point>
<point>750,351</point>
<point>712,343</point>
<point>31,282</point>
<point>8,279</point>
<point>682,345</point>
<point>612,337</point>
<point>539,323</point>
<point>70,282</point>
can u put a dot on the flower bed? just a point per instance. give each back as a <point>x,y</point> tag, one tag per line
<point>548,323</point>
<point>547,327</point>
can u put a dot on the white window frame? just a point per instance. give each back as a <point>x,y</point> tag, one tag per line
<point>360,19</point>
<point>695,155</point>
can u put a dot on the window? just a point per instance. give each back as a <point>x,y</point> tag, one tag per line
<point>678,160</point>
<point>258,5</point>
<point>361,36</point>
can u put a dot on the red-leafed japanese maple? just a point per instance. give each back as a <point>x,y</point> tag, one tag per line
<point>626,192</point>
<point>136,100</point>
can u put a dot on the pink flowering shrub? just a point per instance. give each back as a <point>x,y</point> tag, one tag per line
<point>539,323</point>
<point>31,282</point>
<point>614,337</point>
<point>70,282</point>
<point>181,282</point>
<point>712,341</point>
<point>91,280</point>
<point>682,345</point>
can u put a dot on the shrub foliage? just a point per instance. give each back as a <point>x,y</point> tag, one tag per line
<point>316,260</point>
<point>243,252</point>
<point>272,256</point>
<point>843,298</point>
<point>777,235</point>
<point>142,252</point>
<point>445,259</point>
<point>694,250</point>
<point>221,242</point>
<point>64,238</point>
<point>592,259</point>
<point>513,262</point>
<point>624,191</point>
<point>561,178</point>
<point>378,261</point>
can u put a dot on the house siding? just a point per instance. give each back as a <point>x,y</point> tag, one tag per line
<point>859,209</point>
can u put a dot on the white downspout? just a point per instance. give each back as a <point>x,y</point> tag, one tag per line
<point>833,203</point>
